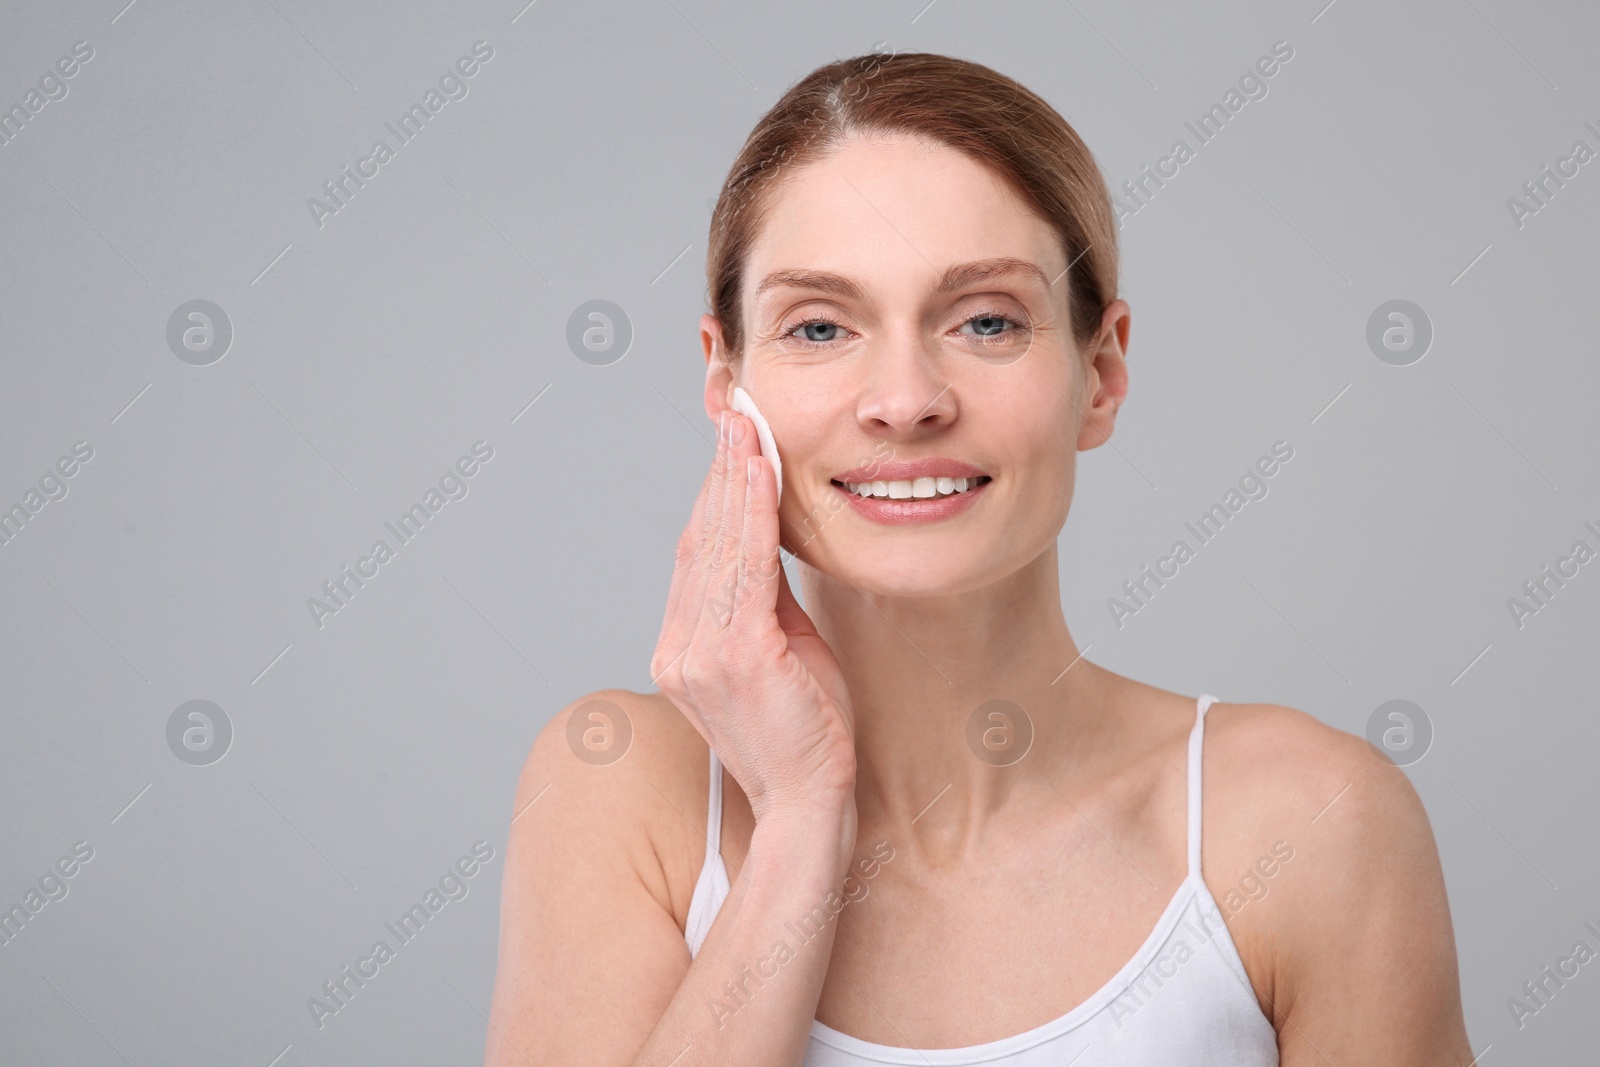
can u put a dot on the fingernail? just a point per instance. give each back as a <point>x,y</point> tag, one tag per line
<point>722,426</point>
<point>736,431</point>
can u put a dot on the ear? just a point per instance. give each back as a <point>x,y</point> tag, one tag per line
<point>719,372</point>
<point>1105,376</point>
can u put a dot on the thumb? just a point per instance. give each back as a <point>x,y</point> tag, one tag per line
<point>791,616</point>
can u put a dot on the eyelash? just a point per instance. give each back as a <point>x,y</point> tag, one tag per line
<point>788,332</point>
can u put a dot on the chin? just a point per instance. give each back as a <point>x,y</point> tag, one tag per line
<point>895,569</point>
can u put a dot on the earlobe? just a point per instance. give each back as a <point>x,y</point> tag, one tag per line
<point>719,386</point>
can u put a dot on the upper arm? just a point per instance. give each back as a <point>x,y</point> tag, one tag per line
<point>590,954</point>
<point>1365,968</point>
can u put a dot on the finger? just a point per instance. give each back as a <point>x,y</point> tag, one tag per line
<point>673,636</point>
<point>791,616</point>
<point>702,588</point>
<point>685,596</point>
<point>683,557</point>
<point>760,562</point>
<point>723,576</point>
<point>706,532</point>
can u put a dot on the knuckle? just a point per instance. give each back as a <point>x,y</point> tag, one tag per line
<point>770,566</point>
<point>686,551</point>
<point>694,672</point>
<point>722,610</point>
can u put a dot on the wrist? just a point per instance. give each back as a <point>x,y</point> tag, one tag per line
<point>820,833</point>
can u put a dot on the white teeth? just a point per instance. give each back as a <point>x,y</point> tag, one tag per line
<point>908,489</point>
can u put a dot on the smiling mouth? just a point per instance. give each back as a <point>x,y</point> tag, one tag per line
<point>926,488</point>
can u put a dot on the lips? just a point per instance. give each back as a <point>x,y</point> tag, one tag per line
<point>925,499</point>
<point>896,492</point>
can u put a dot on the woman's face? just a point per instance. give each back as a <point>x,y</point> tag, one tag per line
<point>884,341</point>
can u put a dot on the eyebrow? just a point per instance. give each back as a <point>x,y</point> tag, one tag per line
<point>957,277</point>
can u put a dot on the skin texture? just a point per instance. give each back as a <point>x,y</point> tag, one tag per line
<point>1014,892</point>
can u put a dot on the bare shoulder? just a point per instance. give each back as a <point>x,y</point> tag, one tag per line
<point>1322,861</point>
<point>1286,767</point>
<point>1275,774</point>
<point>597,879</point>
<point>629,768</point>
<point>598,870</point>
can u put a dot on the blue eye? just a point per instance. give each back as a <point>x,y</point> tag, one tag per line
<point>828,329</point>
<point>989,325</point>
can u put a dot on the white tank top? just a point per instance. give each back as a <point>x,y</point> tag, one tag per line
<point>1183,1000</point>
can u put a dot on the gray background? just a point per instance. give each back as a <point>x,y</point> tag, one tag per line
<point>369,354</point>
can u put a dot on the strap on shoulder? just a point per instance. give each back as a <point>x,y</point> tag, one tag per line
<point>1196,744</point>
<point>714,808</point>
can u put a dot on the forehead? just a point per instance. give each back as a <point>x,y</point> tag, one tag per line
<point>895,212</point>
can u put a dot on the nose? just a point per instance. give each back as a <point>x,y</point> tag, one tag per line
<point>905,395</point>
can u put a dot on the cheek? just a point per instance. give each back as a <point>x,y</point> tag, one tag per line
<point>806,514</point>
<point>810,456</point>
<point>1044,499</point>
<point>1044,458</point>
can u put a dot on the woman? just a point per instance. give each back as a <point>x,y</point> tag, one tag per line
<point>942,837</point>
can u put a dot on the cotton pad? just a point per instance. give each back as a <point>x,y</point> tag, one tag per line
<point>744,405</point>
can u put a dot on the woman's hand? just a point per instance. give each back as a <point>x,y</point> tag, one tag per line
<point>739,657</point>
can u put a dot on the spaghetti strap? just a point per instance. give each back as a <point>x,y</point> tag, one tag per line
<point>711,889</point>
<point>1184,997</point>
<point>714,809</point>
<point>1196,740</point>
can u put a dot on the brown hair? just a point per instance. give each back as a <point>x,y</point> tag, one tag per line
<point>963,105</point>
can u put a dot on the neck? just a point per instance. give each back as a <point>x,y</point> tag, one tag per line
<point>918,668</point>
